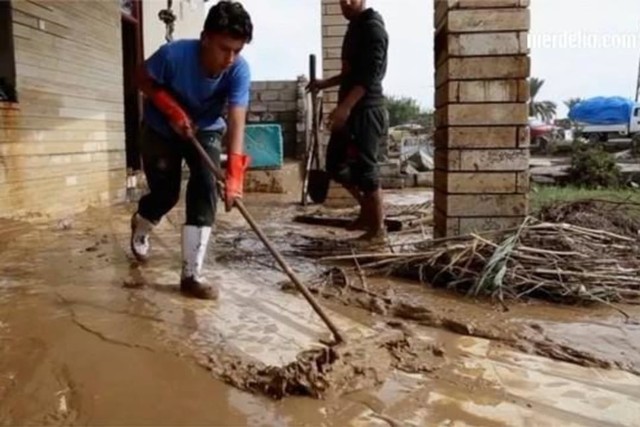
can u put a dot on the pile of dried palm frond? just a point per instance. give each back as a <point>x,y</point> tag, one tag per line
<point>556,261</point>
<point>617,216</point>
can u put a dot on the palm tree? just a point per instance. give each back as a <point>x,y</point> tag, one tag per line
<point>571,102</point>
<point>545,110</point>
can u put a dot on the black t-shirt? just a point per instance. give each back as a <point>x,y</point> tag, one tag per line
<point>364,58</point>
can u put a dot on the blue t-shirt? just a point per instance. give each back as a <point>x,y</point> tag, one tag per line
<point>176,66</point>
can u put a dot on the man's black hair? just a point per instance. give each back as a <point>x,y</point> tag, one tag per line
<point>229,17</point>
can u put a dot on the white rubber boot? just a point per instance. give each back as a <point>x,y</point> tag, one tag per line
<point>140,244</point>
<point>194,248</point>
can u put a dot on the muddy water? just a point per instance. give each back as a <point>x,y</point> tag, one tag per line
<point>88,337</point>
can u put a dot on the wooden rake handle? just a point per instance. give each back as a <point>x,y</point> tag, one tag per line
<point>338,335</point>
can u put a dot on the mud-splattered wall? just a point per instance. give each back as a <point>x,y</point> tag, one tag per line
<point>62,144</point>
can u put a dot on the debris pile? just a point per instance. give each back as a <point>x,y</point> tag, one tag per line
<point>320,372</point>
<point>560,262</point>
<point>621,217</point>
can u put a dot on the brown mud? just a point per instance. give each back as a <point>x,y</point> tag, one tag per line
<point>607,341</point>
<point>317,373</point>
<point>88,337</point>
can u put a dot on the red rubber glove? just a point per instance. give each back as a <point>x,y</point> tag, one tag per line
<point>178,119</point>
<point>237,165</point>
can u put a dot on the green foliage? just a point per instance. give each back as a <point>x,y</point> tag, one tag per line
<point>425,119</point>
<point>544,110</point>
<point>403,110</point>
<point>592,167</point>
<point>543,195</point>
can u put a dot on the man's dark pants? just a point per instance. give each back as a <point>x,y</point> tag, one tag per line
<point>352,153</point>
<point>162,163</point>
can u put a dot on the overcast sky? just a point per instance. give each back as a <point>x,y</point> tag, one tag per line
<point>581,48</point>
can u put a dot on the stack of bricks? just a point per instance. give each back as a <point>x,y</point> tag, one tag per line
<point>482,140</point>
<point>334,27</point>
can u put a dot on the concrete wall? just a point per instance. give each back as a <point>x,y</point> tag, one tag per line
<point>190,16</point>
<point>62,144</point>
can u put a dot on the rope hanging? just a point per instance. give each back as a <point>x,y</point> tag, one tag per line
<point>169,18</point>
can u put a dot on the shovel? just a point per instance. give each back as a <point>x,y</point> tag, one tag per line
<point>316,181</point>
<point>338,335</point>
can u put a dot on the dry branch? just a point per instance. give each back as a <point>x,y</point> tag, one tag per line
<point>554,261</point>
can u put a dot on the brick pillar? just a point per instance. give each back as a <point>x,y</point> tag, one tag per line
<point>481,140</point>
<point>334,26</point>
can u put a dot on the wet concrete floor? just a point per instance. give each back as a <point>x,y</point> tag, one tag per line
<point>87,337</point>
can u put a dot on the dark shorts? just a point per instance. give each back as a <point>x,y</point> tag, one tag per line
<point>352,154</point>
<point>162,162</point>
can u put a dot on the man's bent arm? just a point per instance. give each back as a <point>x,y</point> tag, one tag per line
<point>145,82</point>
<point>370,69</point>
<point>352,98</point>
<point>163,101</point>
<point>331,82</point>
<point>235,131</point>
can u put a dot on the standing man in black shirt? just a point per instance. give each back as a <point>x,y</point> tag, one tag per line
<point>360,121</point>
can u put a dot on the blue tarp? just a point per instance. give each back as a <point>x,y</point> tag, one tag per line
<point>263,142</point>
<point>602,110</point>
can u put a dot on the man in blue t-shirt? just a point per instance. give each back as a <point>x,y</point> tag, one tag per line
<point>187,84</point>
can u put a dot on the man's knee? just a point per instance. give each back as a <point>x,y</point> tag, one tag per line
<point>201,199</point>
<point>368,181</point>
<point>169,196</point>
<point>201,210</point>
<point>340,174</point>
<point>202,219</point>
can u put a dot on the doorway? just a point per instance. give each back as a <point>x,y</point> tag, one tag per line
<point>131,58</point>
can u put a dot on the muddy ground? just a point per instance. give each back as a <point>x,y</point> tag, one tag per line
<point>87,336</point>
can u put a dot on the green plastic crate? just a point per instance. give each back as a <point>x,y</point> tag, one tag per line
<point>264,143</point>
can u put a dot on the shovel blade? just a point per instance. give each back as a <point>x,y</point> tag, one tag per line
<point>318,186</point>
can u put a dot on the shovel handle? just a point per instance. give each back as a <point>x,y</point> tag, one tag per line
<point>312,67</point>
<point>338,335</point>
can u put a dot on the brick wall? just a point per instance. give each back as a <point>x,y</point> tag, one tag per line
<point>62,145</point>
<point>281,102</point>
<point>481,140</point>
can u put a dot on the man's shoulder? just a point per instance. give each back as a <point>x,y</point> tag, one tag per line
<point>178,48</point>
<point>240,66</point>
<point>371,24</point>
<point>241,63</point>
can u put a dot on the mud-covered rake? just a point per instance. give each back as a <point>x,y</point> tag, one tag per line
<point>338,335</point>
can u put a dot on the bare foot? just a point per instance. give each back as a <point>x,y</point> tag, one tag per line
<point>372,238</point>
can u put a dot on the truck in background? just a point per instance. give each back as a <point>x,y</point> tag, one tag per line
<point>602,118</point>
